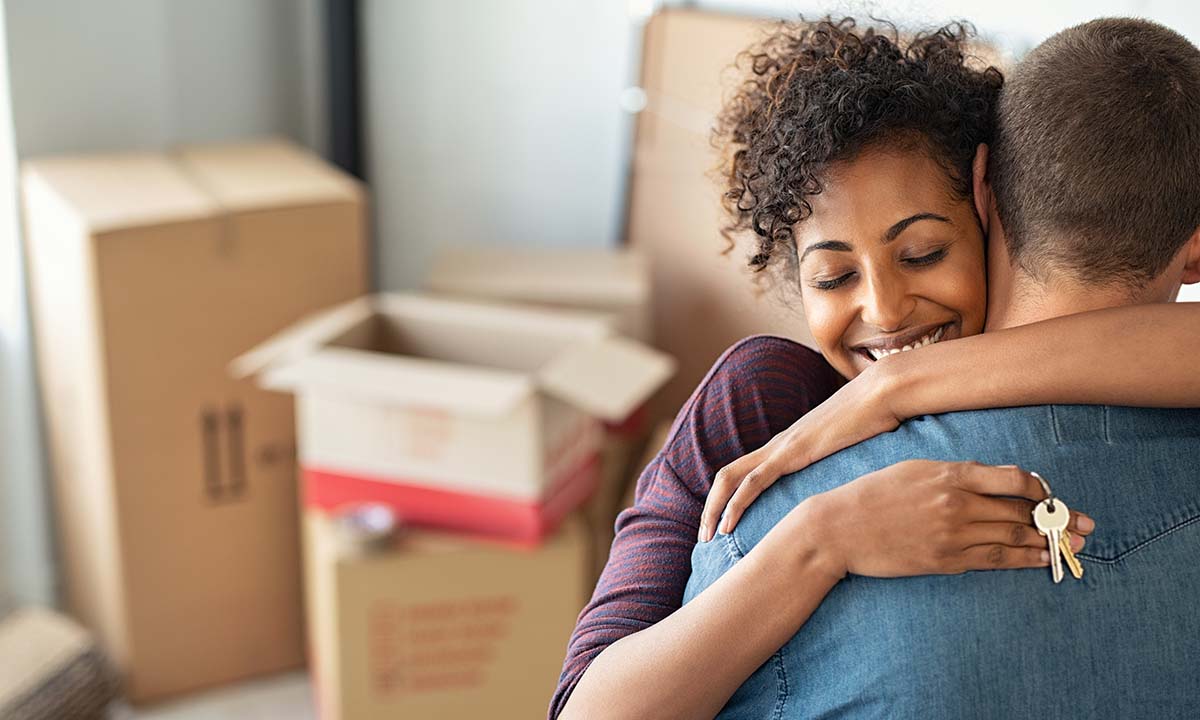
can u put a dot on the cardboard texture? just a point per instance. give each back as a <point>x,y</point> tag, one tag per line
<point>440,627</point>
<point>610,281</point>
<point>703,301</point>
<point>50,668</point>
<point>457,413</point>
<point>174,484</point>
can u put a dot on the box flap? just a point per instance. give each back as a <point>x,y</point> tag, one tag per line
<point>608,378</point>
<point>491,316</point>
<point>301,338</point>
<point>407,381</point>
<point>273,173</point>
<point>602,278</point>
<point>111,192</point>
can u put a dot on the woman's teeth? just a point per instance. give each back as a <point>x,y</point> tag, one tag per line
<point>929,339</point>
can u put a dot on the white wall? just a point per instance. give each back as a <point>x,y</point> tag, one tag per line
<point>120,74</point>
<point>494,123</point>
<point>1016,25</point>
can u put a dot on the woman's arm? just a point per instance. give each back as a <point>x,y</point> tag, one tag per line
<point>691,662</point>
<point>913,518</point>
<point>755,390</point>
<point>1142,355</point>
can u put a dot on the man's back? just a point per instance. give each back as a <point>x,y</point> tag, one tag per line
<point>1122,642</point>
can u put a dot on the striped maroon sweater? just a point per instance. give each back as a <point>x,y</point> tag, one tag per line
<point>756,389</point>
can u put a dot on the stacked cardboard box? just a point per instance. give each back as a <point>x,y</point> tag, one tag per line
<point>174,484</point>
<point>480,418</point>
<point>474,417</point>
<point>440,626</point>
<point>613,282</point>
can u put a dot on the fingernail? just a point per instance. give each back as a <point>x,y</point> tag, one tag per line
<point>1076,543</point>
<point>1045,556</point>
<point>1086,524</point>
<point>701,534</point>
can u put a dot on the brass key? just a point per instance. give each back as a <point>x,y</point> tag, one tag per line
<point>1073,563</point>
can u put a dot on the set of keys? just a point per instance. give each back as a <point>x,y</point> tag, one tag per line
<point>1051,517</point>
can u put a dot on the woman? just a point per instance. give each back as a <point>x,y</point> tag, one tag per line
<point>864,148</point>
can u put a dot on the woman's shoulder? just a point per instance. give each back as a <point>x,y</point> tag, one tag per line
<point>768,352</point>
<point>756,388</point>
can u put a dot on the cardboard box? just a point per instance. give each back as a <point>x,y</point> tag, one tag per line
<point>462,415</point>
<point>441,627</point>
<point>174,485</point>
<point>610,281</point>
<point>703,300</point>
<point>51,668</point>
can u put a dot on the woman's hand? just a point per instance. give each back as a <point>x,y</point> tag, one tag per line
<point>924,517</point>
<point>859,410</point>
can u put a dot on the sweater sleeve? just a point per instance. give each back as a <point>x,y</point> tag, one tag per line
<point>756,389</point>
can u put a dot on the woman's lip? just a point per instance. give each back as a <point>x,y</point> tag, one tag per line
<point>895,343</point>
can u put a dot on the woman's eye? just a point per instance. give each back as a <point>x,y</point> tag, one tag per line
<point>929,259</point>
<point>833,283</point>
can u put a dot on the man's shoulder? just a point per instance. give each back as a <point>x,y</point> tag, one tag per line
<point>1036,436</point>
<point>1052,424</point>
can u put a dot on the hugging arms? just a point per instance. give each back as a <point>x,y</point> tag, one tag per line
<point>901,247</point>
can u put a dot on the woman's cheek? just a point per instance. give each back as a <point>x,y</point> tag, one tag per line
<point>828,323</point>
<point>971,297</point>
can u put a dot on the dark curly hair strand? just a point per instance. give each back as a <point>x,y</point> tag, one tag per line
<point>817,93</point>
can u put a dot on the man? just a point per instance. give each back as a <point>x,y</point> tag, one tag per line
<point>1090,201</point>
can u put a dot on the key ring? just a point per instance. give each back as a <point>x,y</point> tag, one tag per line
<point>1046,488</point>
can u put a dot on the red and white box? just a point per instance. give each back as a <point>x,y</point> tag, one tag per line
<point>462,415</point>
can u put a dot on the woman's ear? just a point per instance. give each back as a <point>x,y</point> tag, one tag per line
<point>980,189</point>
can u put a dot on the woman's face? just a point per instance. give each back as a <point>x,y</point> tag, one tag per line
<point>890,259</point>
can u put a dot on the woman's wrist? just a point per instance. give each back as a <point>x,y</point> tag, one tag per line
<point>812,538</point>
<point>894,383</point>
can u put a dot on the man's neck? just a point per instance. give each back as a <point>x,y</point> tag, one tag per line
<point>1027,300</point>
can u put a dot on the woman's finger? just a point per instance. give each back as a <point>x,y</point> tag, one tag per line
<point>1001,557</point>
<point>1007,480</point>
<point>724,484</point>
<point>757,480</point>
<point>1012,534</point>
<point>1081,524</point>
<point>985,508</point>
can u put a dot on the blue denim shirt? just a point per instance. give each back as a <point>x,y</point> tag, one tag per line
<point>1124,642</point>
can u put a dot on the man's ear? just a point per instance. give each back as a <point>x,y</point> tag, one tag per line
<point>1191,265</point>
<point>980,188</point>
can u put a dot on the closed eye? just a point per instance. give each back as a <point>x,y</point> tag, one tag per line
<point>833,283</point>
<point>929,259</point>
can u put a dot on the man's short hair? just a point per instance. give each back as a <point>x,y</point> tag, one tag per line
<point>1096,161</point>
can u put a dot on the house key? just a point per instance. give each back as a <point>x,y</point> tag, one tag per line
<point>1050,517</point>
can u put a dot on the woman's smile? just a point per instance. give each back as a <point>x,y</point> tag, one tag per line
<point>882,346</point>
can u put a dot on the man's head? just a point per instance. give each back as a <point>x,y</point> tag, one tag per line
<point>1094,172</point>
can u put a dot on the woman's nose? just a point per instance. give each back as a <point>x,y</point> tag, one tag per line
<point>886,304</point>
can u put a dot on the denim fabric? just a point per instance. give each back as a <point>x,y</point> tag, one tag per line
<point>1124,642</point>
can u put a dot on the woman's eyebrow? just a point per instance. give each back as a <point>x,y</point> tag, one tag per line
<point>894,231</point>
<point>837,245</point>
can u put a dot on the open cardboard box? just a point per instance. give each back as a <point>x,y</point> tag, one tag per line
<point>477,417</point>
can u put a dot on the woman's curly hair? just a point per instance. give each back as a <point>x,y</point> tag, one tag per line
<point>816,93</point>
